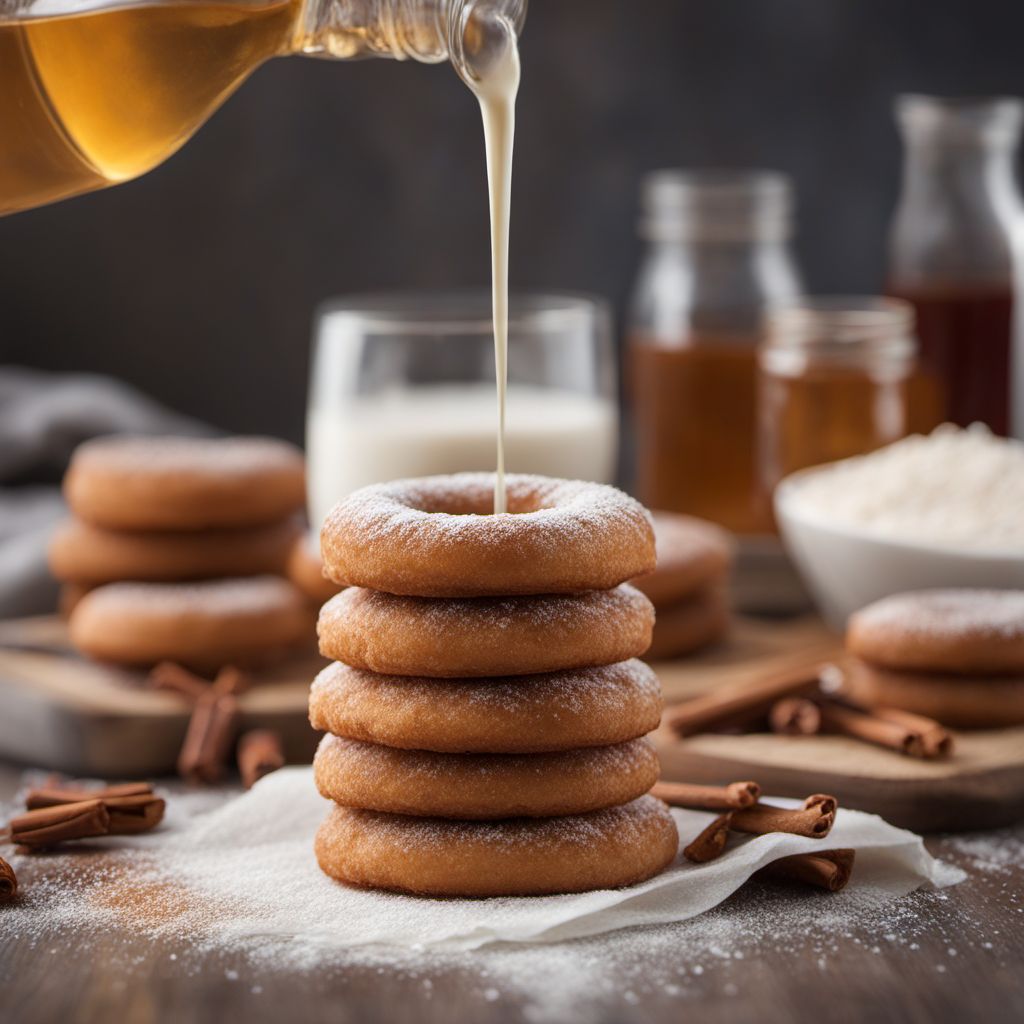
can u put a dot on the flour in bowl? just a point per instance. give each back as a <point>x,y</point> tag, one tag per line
<point>953,488</point>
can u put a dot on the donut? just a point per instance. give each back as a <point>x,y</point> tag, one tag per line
<point>90,555</point>
<point>515,857</point>
<point>485,786</point>
<point>512,715</point>
<point>201,625</point>
<point>690,624</point>
<point>484,636</point>
<point>693,554</point>
<point>982,702</point>
<point>957,631</point>
<point>436,537</point>
<point>306,570</point>
<point>184,483</point>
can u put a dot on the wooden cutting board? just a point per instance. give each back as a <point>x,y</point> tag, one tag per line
<point>981,786</point>
<point>60,711</point>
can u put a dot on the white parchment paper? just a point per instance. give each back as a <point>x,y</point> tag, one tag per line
<point>254,855</point>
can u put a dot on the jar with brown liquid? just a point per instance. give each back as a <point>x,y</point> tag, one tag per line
<point>717,259</point>
<point>833,381</point>
<point>953,254</point>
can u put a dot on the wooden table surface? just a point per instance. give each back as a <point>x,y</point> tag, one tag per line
<point>770,953</point>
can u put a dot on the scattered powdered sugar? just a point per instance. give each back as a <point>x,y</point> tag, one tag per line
<point>936,616</point>
<point>220,882</point>
<point>953,487</point>
<point>995,854</point>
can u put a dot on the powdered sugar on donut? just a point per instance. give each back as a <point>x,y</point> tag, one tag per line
<point>217,456</point>
<point>413,835</point>
<point>943,614</point>
<point>435,537</point>
<point>251,595</point>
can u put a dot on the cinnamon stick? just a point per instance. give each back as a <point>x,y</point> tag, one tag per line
<point>259,753</point>
<point>795,716</point>
<point>211,730</point>
<point>51,825</point>
<point>130,815</point>
<point>232,681</point>
<point>814,820</point>
<point>739,704</point>
<point>830,869</point>
<point>845,720</point>
<point>711,842</point>
<point>707,798</point>
<point>175,679</point>
<point>132,806</point>
<point>8,881</point>
<point>53,796</point>
<point>935,737</point>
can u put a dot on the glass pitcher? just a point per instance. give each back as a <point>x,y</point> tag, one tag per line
<point>96,92</point>
<point>953,253</point>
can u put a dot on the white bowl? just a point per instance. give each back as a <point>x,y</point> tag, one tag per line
<point>847,567</point>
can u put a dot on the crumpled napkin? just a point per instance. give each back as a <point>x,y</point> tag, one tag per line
<point>255,855</point>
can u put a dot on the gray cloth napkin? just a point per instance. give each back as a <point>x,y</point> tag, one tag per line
<point>43,417</point>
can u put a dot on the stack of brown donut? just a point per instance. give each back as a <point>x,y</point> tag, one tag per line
<point>176,547</point>
<point>953,655</point>
<point>688,587</point>
<point>486,711</point>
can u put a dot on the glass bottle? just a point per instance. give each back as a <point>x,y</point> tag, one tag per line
<point>833,381</point>
<point>98,92</point>
<point>717,259</point>
<point>952,253</point>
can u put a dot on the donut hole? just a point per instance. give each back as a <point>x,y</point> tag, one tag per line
<point>476,502</point>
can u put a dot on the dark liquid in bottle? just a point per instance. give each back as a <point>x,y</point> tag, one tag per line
<point>965,338</point>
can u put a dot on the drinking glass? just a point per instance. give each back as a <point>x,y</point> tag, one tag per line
<point>403,384</point>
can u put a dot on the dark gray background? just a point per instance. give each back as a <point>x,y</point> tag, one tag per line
<point>198,281</point>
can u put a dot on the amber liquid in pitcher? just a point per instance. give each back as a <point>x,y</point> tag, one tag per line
<point>965,336</point>
<point>92,99</point>
<point>694,413</point>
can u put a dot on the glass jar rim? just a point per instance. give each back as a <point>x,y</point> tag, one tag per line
<point>843,328</point>
<point>960,119</point>
<point>715,204</point>
<point>462,312</point>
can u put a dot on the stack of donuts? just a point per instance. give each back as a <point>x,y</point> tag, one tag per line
<point>176,547</point>
<point>688,587</point>
<point>486,712</point>
<point>953,655</point>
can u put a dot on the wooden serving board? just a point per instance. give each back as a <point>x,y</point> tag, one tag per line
<point>981,786</point>
<point>61,711</point>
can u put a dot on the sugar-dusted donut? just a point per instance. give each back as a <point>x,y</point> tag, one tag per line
<point>484,636</point>
<point>184,483</point>
<point>693,555</point>
<point>513,715</point>
<point>90,555</point>
<point>435,537</point>
<point>690,624</point>
<point>969,631</point>
<point>306,570</point>
<point>483,786</point>
<point>516,857</point>
<point>962,701</point>
<point>202,625</point>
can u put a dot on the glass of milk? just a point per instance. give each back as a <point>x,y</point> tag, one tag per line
<point>403,384</point>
